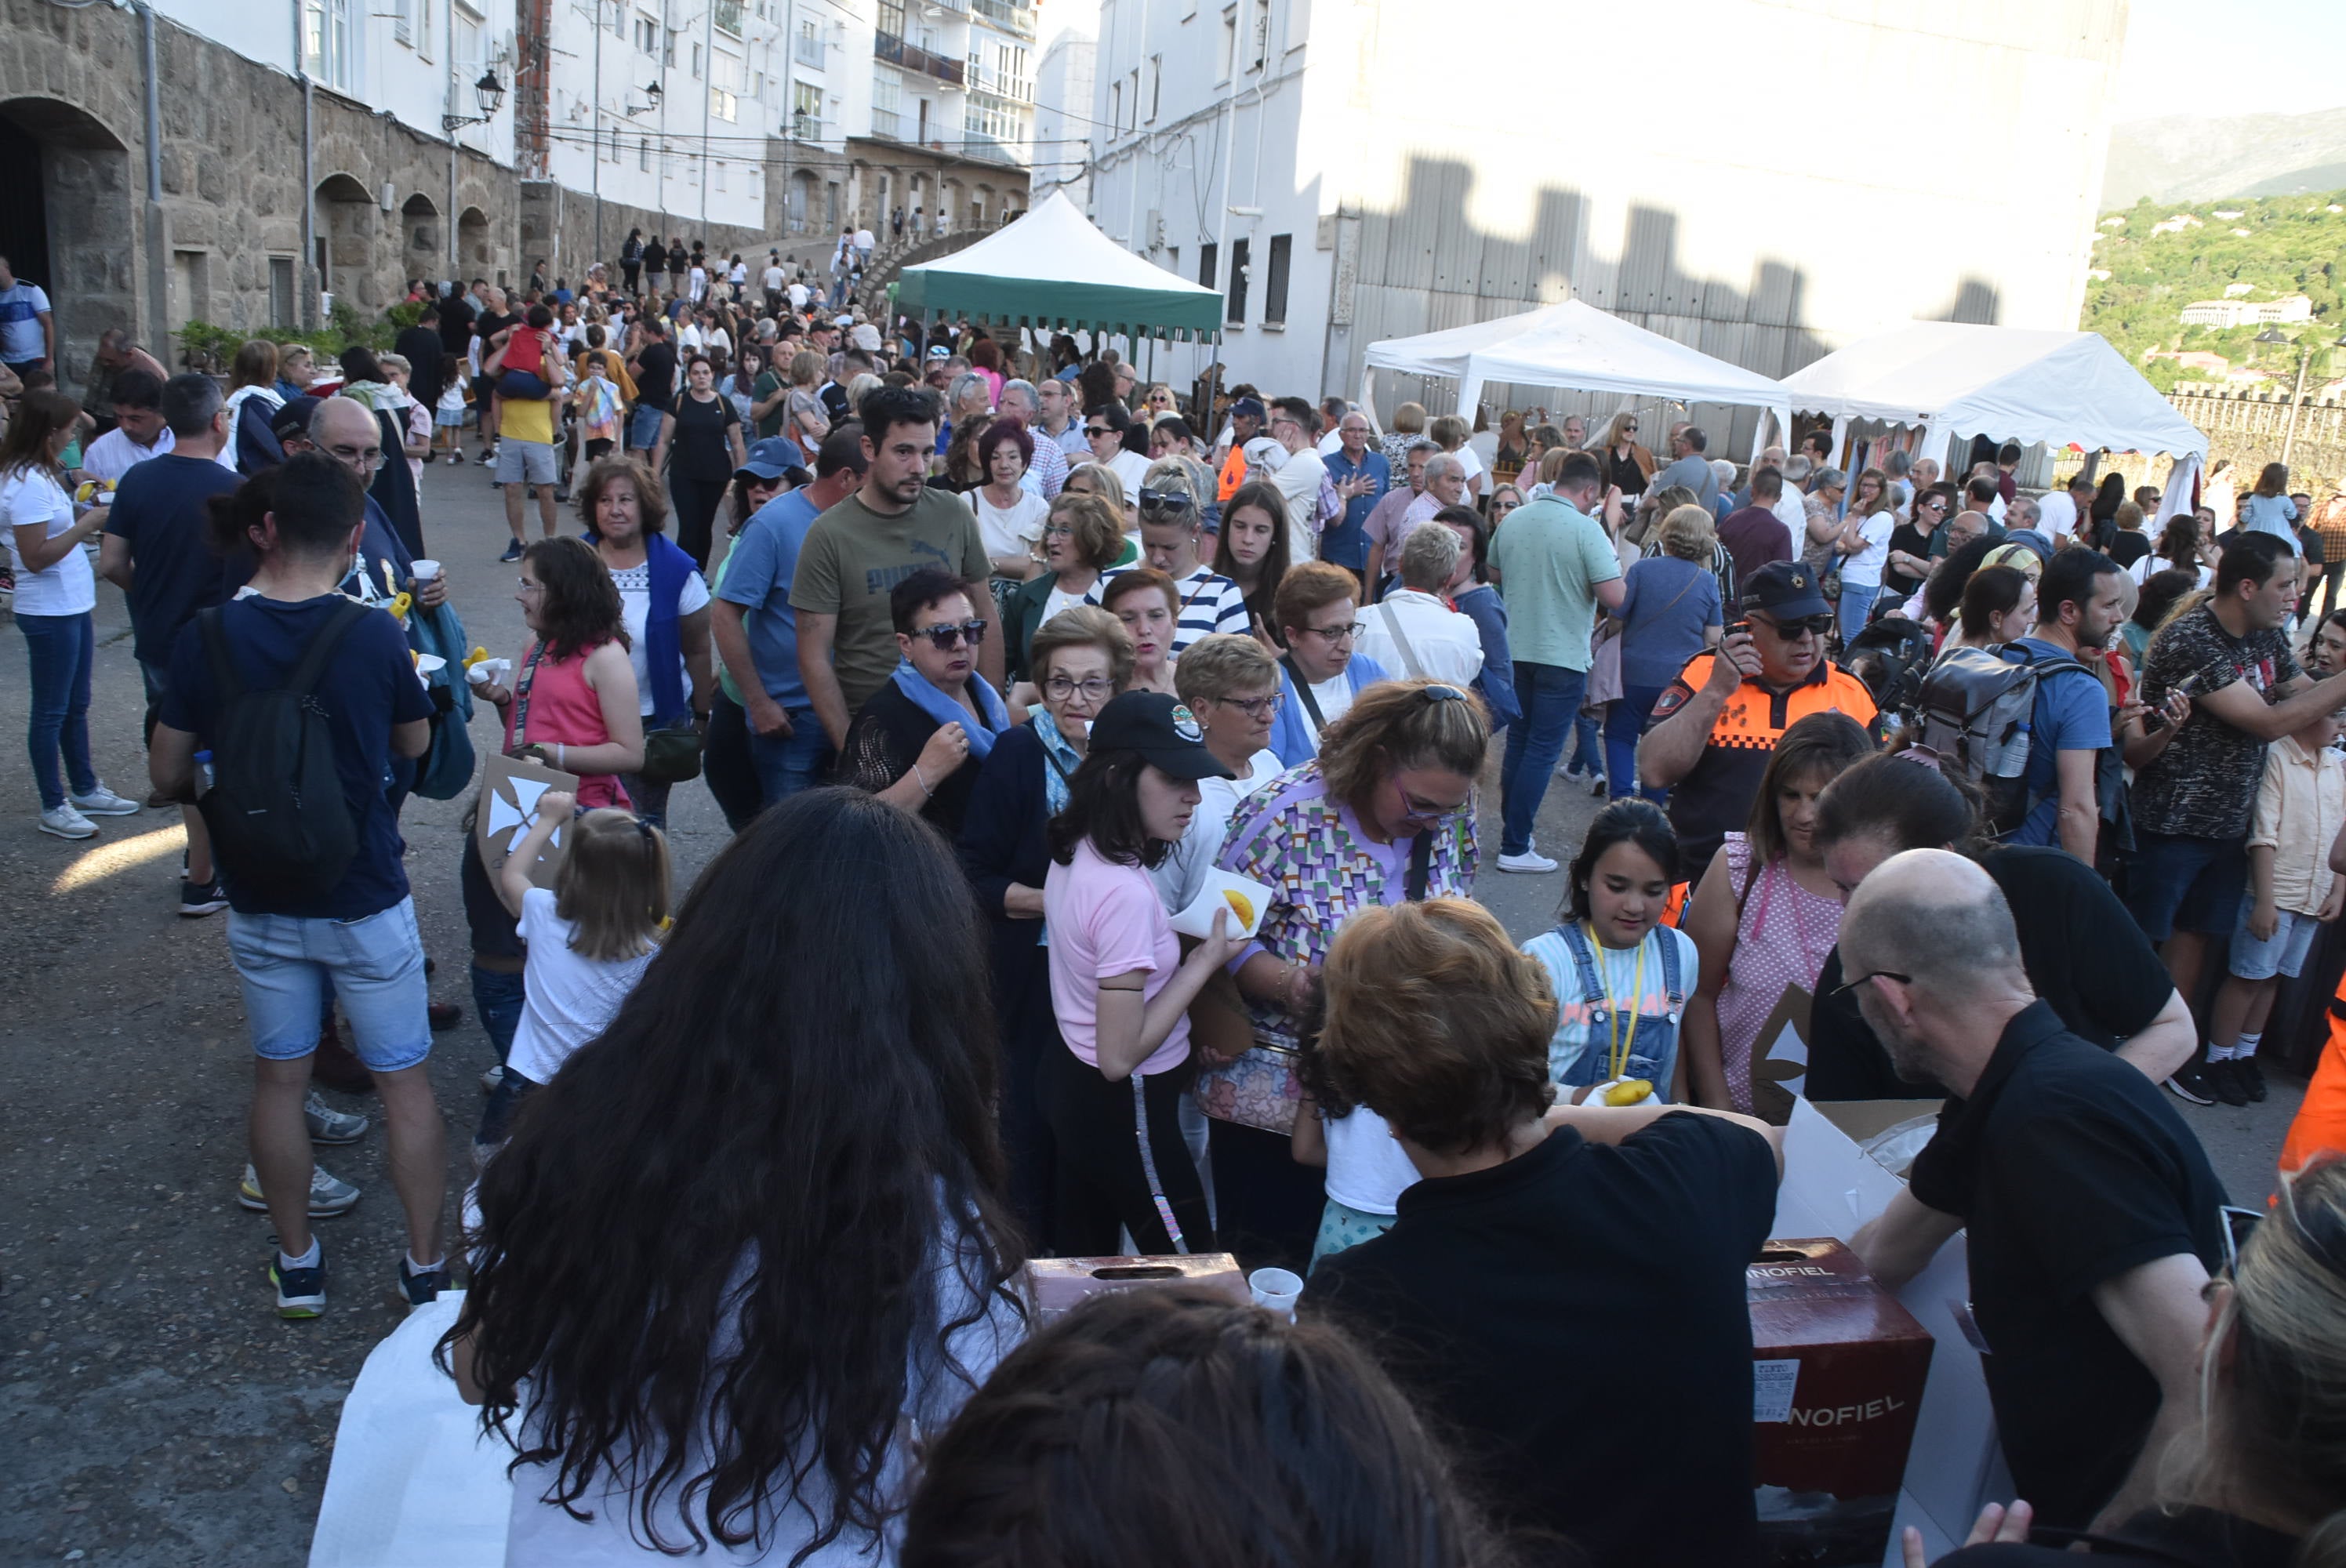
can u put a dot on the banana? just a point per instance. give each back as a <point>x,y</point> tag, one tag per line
<point>1240,905</point>
<point>1629,1092</point>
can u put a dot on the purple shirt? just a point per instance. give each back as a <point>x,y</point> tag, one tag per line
<point>1754,536</point>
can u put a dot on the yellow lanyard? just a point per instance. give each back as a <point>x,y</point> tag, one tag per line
<point>1616,1053</point>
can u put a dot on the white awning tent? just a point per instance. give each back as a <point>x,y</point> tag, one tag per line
<point>1956,378</point>
<point>1572,346</point>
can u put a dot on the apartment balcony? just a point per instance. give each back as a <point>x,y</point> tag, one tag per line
<point>728,16</point>
<point>888,123</point>
<point>808,51</point>
<point>1019,19</point>
<point>891,48</point>
<point>985,149</point>
<point>1007,93</point>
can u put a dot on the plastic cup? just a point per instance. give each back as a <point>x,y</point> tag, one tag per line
<point>1276,1290</point>
<point>427,570</point>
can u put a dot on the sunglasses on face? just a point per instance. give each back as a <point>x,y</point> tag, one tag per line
<point>951,634</point>
<point>1098,430</point>
<point>1792,631</point>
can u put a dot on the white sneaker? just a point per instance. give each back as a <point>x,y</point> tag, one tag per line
<point>1530,860</point>
<point>329,1125</point>
<point>68,823</point>
<point>103,802</point>
<point>492,1078</point>
<point>329,1195</point>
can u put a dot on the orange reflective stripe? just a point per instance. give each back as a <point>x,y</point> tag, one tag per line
<point>2321,1121</point>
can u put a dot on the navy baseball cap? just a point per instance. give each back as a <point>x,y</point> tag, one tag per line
<point>1787,590</point>
<point>772,458</point>
<point>1162,729</point>
<point>1251,407</point>
<point>293,419</point>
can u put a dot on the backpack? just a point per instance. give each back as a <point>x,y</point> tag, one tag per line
<point>1975,712</point>
<point>446,768</point>
<point>278,820</point>
<point>1890,656</point>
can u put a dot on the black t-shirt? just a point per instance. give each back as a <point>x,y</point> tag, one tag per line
<point>456,325</point>
<point>2308,540</point>
<point>2127,546</point>
<point>2084,954</point>
<point>163,507</point>
<point>1915,541</point>
<point>1577,1320</point>
<point>835,401</point>
<point>421,344</point>
<point>2068,1168</point>
<point>698,449</point>
<point>884,742</point>
<point>655,374</point>
<point>489,325</point>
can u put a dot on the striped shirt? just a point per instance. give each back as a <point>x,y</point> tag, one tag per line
<point>1210,603</point>
<point>1047,474</point>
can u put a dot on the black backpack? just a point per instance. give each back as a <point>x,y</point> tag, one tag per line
<point>278,820</point>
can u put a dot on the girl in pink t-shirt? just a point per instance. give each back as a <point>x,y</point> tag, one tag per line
<point>1121,987</point>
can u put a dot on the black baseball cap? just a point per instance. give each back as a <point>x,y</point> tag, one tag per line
<point>1785,589</point>
<point>1162,729</point>
<point>293,419</point>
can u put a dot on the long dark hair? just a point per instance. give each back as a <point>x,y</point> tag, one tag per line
<point>40,414</point>
<point>1945,592</point>
<point>786,1127</point>
<point>581,610</point>
<point>1176,1426</point>
<point>1261,495</point>
<point>2108,498</point>
<point>1104,806</point>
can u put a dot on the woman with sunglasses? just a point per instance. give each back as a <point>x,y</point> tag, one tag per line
<point>1629,467</point>
<point>919,741</point>
<point>1909,565</point>
<point>1082,659</point>
<point>1383,814</point>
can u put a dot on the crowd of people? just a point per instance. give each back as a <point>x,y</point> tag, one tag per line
<point>1103,771</point>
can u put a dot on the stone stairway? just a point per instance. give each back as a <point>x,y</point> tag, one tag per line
<point>891,259</point>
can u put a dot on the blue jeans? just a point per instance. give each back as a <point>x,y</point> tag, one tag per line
<point>1623,723</point>
<point>1587,743</point>
<point>1549,696</point>
<point>59,651</point>
<point>497,998</point>
<point>1856,604</point>
<point>789,764</point>
<point>293,968</point>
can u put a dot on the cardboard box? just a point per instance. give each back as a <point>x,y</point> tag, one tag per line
<point>1831,1188</point>
<point>510,786</point>
<point>1059,1283</point>
<point>1839,1368</point>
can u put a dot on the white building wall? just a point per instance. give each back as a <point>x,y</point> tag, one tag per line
<point>1768,190</point>
<point>1064,90</point>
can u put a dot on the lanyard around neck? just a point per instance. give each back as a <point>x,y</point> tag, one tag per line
<point>1618,1045</point>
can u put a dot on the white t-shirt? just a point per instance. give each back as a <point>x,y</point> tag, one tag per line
<point>1132,468</point>
<point>798,292</point>
<point>1060,599</point>
<point>567,999</point>
<point>2145,565</point>
<point>2057,514</point>
<point>114,454</point>
<point>1336,699</point>
<point>1449,646</point>
<point>737,274</point>
<point>1013,530</point>
<point>1864,569</point>
<point>1474,462</point>
<point>1182,876</point>
<point>65,586</point>
<point>21,309</point>
<point>1297,483</point>
<point>772,279</point>
<point>1366,1167</point>
<point>635,585</point>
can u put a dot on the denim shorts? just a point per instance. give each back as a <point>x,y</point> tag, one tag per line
<point>2181,881</point>
<point>644,426</point>
<point>2282,953</point>
<point>376,965</point>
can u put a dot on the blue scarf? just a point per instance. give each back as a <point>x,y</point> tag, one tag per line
<point>993,717</point>
<point>1055,745</point>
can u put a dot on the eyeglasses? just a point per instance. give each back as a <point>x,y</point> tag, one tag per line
<point>1257,707</point>
<point>1057,531</point>
<point>1099,430</point>
<point>951,634</point>
<point>1846,986</point>
<point>1170,500</point>
<point>529,588</point>
<point>1414,809</point>
<point>1337,633</point>
<point>1793,631</point>
<point>366,457</point>
<point>1059,689</point>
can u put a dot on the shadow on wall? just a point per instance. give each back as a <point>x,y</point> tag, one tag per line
<point>1425,266</point>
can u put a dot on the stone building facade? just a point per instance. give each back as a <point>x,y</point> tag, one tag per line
<point>2249,428</point>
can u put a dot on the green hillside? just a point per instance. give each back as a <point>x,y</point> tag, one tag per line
<point>2291,245</point>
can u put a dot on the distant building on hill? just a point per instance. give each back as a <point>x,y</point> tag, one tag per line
<point>2230,313</point>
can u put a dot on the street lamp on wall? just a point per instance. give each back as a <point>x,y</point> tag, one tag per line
<point>651,101</point>
<point>491,95</point>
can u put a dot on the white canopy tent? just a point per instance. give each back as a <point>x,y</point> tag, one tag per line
<point>1956,378</point>
<point>1576,346</point>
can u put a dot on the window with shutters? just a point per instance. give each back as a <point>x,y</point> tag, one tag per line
<point>1237,289</point>
<point>1274,287</point>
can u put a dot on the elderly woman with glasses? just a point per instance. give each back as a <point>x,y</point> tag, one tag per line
<point>1083,537</point>
<point>1321,675</point>
<point>1229,683</point>
<point>1082,658</point>
<point>1385,814</point>
<point>920,741</point>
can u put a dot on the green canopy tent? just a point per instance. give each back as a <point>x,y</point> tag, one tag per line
<point>1054,271</point>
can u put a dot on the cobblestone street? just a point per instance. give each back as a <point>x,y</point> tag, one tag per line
<point>155,1409</point>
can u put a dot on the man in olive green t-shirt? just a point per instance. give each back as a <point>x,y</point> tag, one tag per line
<point>891,528</point>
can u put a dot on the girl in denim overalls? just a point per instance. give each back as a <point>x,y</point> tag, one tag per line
<point>1621,978</point>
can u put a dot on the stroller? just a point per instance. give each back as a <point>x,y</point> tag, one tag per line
<point>1890,655</point>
